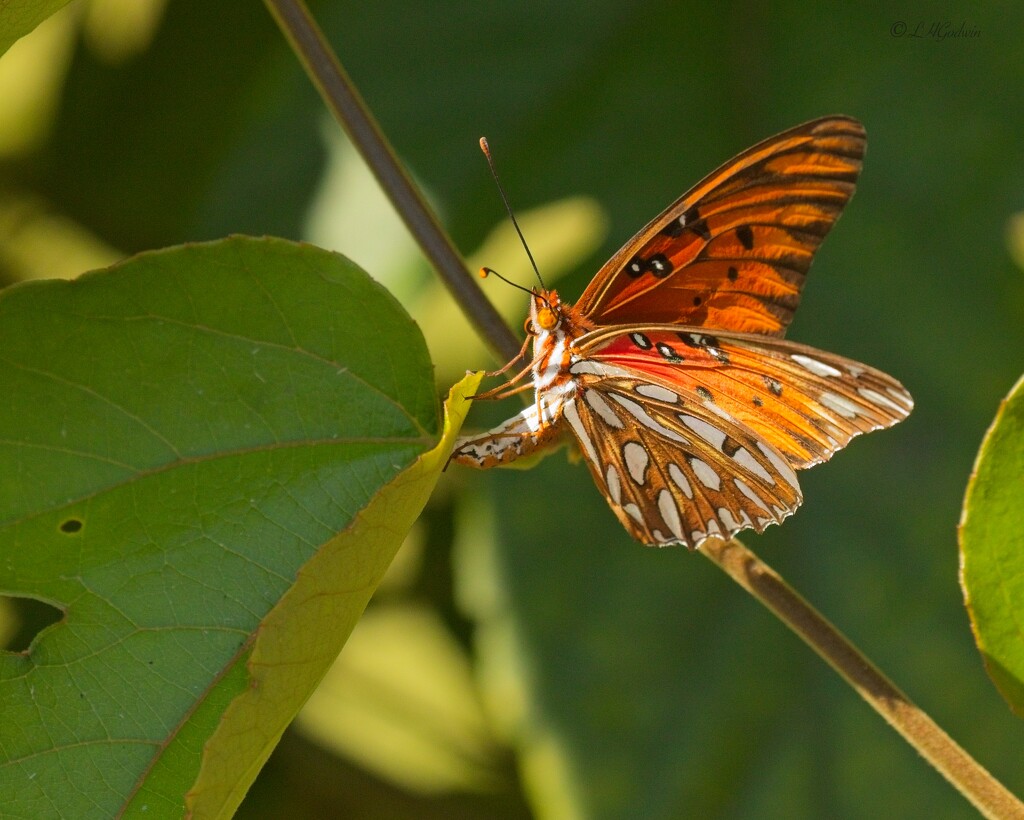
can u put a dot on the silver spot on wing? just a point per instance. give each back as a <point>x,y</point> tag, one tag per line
<point>645,418</point>
<point>875,397</point>
<point>637,459</point>
<point>572,416</point>
<point>670,513</point>
<point>705,473</point>
<point>614,487</point>
<point>657,392</point>
<point>603,409</point>
<point>844,407</point>
<point>780,464</point>
<point>814,366</point>
<point>679,477</point>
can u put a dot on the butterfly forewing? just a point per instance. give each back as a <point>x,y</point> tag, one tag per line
<point>734,251</point>
<point>674,470</point>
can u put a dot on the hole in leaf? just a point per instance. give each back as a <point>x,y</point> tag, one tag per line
<point>22,619</point>
<point>72,525</point>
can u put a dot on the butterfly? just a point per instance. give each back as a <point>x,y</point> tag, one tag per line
<point>691,411</point>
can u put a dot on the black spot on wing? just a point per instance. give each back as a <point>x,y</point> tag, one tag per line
<point>696,223</point>
<point>730,446</point>
<point>669,353</point>
<point>640,341</point>
<point>657,265</point>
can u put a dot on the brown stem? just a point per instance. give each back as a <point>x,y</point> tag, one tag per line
<point>987,794</point>
<point>348,107</point>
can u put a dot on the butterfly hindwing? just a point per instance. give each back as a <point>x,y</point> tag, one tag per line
<point>673,470</point>
<point>733,252</point>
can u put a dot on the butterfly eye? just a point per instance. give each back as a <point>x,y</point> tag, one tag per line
<point>547,318</point>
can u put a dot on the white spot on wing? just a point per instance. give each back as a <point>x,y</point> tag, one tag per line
<point>875,397</point>
<point>589,367</point>
<point>780,464</point>
<point>633,511</point>
<point>749,493</point>
<point>726,517</point>
<point>705,474</point>
<point>573,417</point>
<point>843,407</point>
<point>602,408</point>
<point>679,477</point>
<point>670,513</point>
<point>711,434</point>
<point>646,419</point>
<point>657,392</point>
<point>637,459</point>
<point>814,366</point>
<point>718,411</point>
<point>614,487</point>
<point>901,397</point>
<point>746,460</point>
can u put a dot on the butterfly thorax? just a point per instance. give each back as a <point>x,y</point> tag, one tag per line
<point>555,326</point>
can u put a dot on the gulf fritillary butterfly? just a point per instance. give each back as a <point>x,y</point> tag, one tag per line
<point>670,371</point>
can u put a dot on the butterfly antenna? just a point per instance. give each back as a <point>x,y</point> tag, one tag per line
<point>504,198</point>
<point>485,272</point>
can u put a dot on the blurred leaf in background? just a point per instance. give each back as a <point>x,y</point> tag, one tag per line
<point>617,676</point>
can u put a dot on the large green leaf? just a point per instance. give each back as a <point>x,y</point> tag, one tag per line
<point>19,17</point>
<point>992,549</point>
<point>194,449</point>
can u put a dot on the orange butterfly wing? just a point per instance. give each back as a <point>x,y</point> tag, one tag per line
<point>733,252</point>
<point>806,403</point>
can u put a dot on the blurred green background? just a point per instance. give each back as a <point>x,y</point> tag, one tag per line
<point>525,658</point>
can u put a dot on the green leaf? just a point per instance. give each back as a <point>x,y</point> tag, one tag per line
<point>19,17</point>
<point>210,455</point>
<point>992,549</point>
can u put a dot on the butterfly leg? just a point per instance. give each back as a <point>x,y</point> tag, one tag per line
<point>512,361</point>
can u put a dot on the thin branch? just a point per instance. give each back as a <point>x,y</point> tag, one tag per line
<point>989,796</point>
<point>344,101</point>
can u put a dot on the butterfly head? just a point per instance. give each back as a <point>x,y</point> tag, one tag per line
<point>549,314</point>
